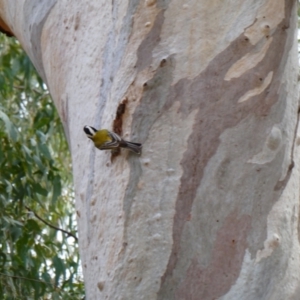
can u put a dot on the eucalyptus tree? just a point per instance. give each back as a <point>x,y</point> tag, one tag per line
<point>210,209</point>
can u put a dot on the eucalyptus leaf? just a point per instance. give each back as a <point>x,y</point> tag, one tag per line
<point>10,128</point>
<point>56,189</point>
<point>59,268</point>
<point>39,189</point>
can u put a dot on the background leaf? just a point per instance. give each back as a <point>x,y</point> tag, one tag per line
<point>36,260</point>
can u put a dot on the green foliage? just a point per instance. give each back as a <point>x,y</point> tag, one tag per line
<point>37,261</point>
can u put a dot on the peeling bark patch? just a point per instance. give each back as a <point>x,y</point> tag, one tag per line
<point>269,247</point>
<point>118,121</point>
<point>113,54</point>
<point>144,117</point>
<point>248,61</point>
<point>117,125</point>
<point>40,9</point>
<point>216,100</point>
<point>227,257</point>
<point>144,52</point>
<point>257,90</point>
<point>270,149</point>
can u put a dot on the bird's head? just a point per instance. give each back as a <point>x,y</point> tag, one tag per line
<point>89,131</point>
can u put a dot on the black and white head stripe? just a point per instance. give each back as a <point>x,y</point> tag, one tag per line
<point>89,131</point>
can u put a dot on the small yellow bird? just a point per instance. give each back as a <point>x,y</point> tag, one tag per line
<point>107,140</point>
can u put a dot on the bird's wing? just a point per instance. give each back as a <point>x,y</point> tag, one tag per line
<point>114,143</point>
<point>115,137</point>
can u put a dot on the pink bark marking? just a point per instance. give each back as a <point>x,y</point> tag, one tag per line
<point>213,281</point>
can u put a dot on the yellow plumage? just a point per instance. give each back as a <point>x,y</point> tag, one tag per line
<point>101,137</point>
<point>106,140</point>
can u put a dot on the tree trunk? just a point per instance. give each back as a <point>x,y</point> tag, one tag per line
<point>210,209</point>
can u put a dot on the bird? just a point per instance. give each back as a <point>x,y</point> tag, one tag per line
<point>107,140</point>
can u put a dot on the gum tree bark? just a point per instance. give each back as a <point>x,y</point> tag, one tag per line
<point>210,209</point>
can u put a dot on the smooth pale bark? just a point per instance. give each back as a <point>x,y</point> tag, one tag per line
<point>210,209</point>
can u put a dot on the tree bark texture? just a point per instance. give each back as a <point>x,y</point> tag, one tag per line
<point>210,210</point>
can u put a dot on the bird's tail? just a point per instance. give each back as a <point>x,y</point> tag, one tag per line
<point>134,147</point>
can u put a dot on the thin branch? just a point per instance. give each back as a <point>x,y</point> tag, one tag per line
<point>52,226</point>
<point>18,87</point>
<point>20,277</point>
<point>43,93</point>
